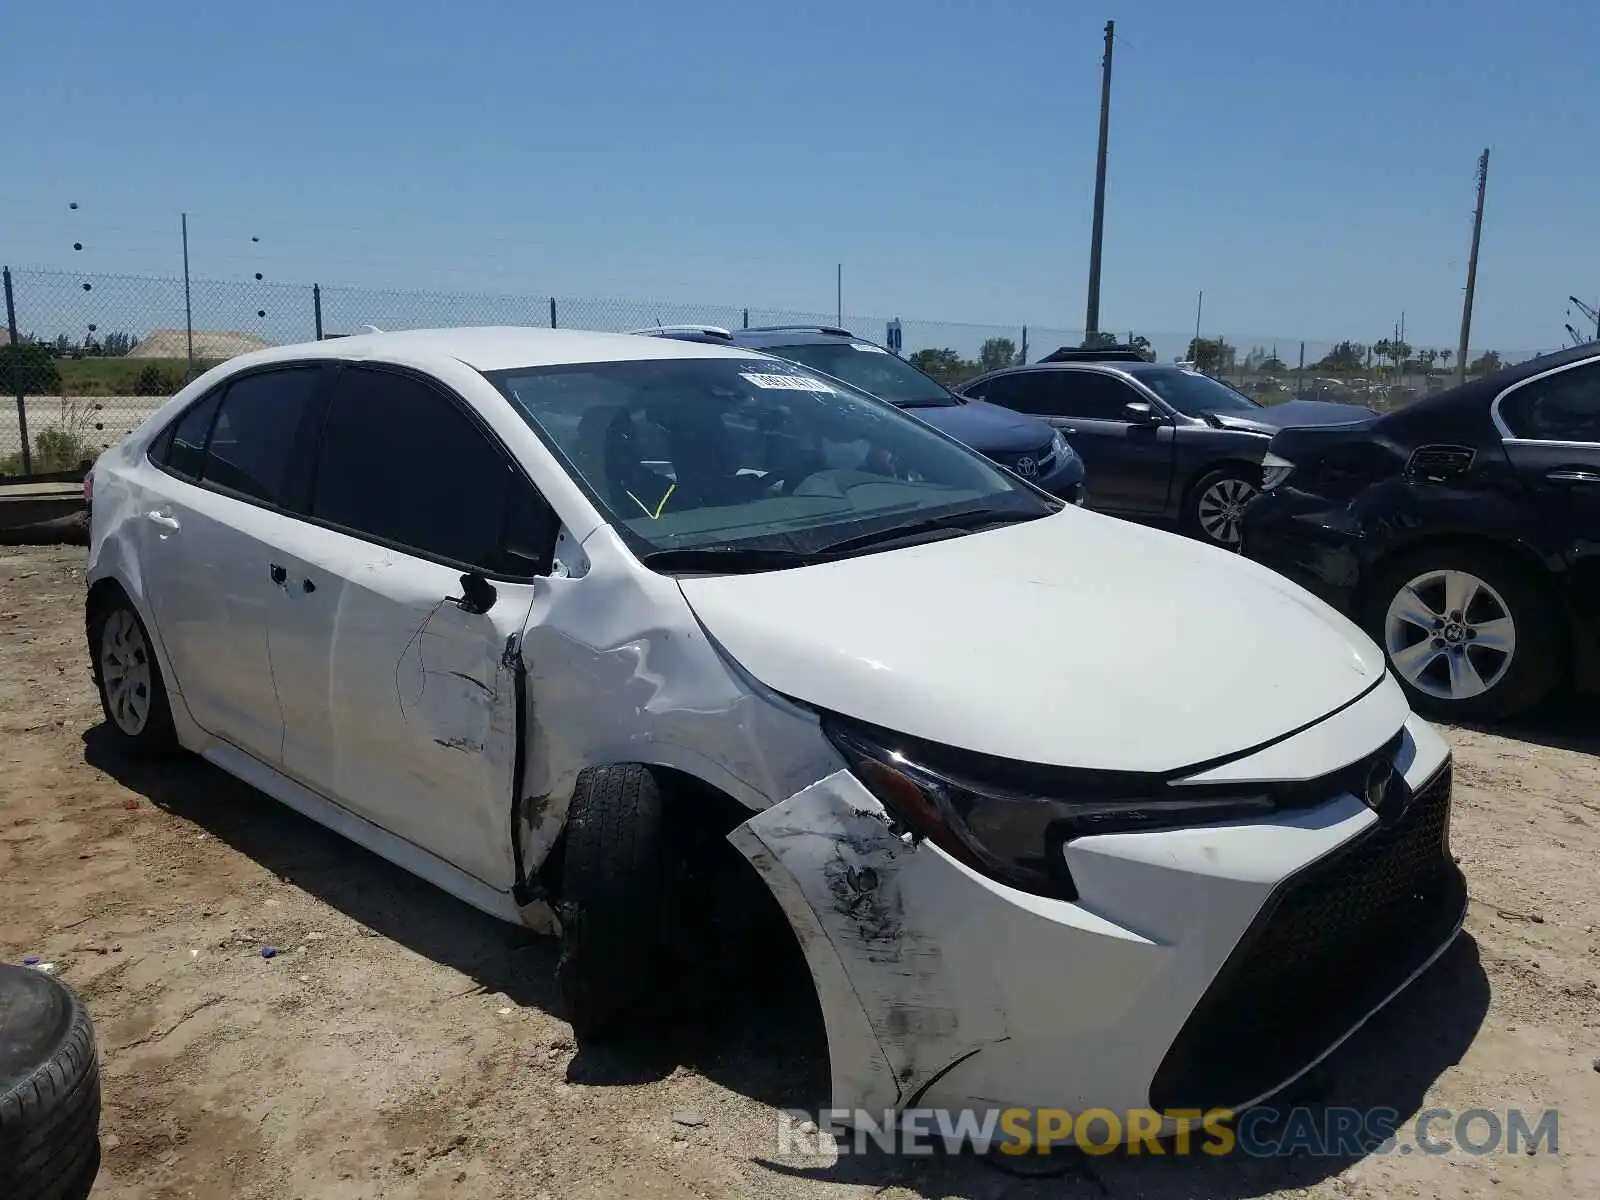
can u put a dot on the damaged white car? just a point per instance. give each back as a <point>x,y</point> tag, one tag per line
<point>1062,811</point>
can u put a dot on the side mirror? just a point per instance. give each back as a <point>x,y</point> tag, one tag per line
<point>477,595</point>
<point>1141,412</point>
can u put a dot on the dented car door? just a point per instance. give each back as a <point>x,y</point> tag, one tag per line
<point>398,702</point>
<point>399,618</point>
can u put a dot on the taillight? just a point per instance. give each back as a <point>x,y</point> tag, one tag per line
<point>88,487</point>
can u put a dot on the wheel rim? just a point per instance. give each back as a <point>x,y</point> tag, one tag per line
<point>125,672</point>
<point>1450,635</point>
<point>1220,507</point>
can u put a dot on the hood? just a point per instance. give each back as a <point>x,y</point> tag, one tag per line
<point>1292,414</point>
<point>1074,640</point>
<point>987,428</point>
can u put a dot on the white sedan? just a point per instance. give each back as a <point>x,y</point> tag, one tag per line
<point>1062,811</point>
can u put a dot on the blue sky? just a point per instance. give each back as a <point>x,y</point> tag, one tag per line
<point>1310,165</point>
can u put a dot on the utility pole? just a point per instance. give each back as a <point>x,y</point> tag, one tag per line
<point>1091,320</point>
<point>188,309</point>
<point>1472,270</point>
<point>1400,367</point>
<point>1199,307</point>
<point>838,294</point>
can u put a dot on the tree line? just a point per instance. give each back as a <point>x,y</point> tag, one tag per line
<point>1214,356</point>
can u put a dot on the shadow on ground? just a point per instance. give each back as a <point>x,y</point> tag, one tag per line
<point>1566,722</point>
<point>745,1015</point>
<point>768,1045</point>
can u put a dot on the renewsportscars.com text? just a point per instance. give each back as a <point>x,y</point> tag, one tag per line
<point>1257,1132</point>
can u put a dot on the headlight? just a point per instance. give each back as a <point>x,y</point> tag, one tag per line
<point>1059,447</point>
<point>1014,827</point>
<point>1274,470</point>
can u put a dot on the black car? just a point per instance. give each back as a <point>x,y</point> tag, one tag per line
<point>1462,531</point>
<point>1023,445</point>
<point>1160,441</point>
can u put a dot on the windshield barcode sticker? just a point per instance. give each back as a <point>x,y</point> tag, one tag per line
<point>786,383</point>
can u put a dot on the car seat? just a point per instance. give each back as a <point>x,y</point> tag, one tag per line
<point>607,454</point>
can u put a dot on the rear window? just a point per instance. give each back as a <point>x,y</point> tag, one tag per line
<point>870,368</point>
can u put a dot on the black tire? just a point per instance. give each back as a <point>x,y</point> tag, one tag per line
<point>1536,663</point>
<point>49,1089</point>
<point>156,735</point>
<point>614,905</point>
<point>1239,483</point>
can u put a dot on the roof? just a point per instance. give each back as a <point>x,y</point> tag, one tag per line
<point>793,335</point>
<point>1095,354</point>
<point>1486,387</point>
<point>500,348</point>
<point>762,337</point>
<point>1131,368</point>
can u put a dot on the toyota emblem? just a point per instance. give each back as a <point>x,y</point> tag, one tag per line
<point>1027,467</point>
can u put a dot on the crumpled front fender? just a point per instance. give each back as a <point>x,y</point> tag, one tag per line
<point>842,878</point>
<point>903,943</point>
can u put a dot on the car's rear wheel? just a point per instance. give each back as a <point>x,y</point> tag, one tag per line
<point>1470,634</point>
<point>1216,505</point>
<point>128,677</point>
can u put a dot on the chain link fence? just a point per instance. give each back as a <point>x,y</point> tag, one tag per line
<point>85,358</point>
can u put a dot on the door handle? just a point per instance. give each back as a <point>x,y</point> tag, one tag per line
<point>157,517</point>
<point>1572,476</point>
<point>278,573</point>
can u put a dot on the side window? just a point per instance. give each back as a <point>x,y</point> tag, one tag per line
<point>1091,396</point>
<point>252,443</point>
<point>977,391</point>
<point>186,440</point>
<point>1562,408</point>
<point>402,463</point>
<point>1025,391</point>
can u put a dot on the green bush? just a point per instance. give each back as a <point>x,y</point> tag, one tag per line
<point>27,367</point>
<point>153,381</point>
<point>53,450</point>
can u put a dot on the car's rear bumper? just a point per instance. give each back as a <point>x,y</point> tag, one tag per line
<point>1198,968</point>
<point>1307,539</point>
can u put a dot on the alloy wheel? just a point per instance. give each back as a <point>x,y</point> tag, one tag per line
<point>1450,635</point>
<point>1220,507</point>
<point>125,671</point>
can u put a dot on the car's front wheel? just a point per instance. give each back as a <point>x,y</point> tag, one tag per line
<point>1470,634</point>
<point>128,677</point>
<point>614,905</point>
<point>1216,503</point>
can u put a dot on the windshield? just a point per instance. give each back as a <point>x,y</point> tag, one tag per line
<point>872,369</point>
<point>758,455</point>
<point>1194,394</point>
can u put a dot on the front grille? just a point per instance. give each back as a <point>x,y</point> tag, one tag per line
<point>1331,944</point>
<point>1042,460</point>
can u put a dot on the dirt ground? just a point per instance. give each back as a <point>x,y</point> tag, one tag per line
<point>401,1045</point>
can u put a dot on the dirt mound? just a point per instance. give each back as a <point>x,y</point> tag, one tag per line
<point>208,343</point>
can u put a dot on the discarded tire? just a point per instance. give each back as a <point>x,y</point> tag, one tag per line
<point>49,1089</point>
